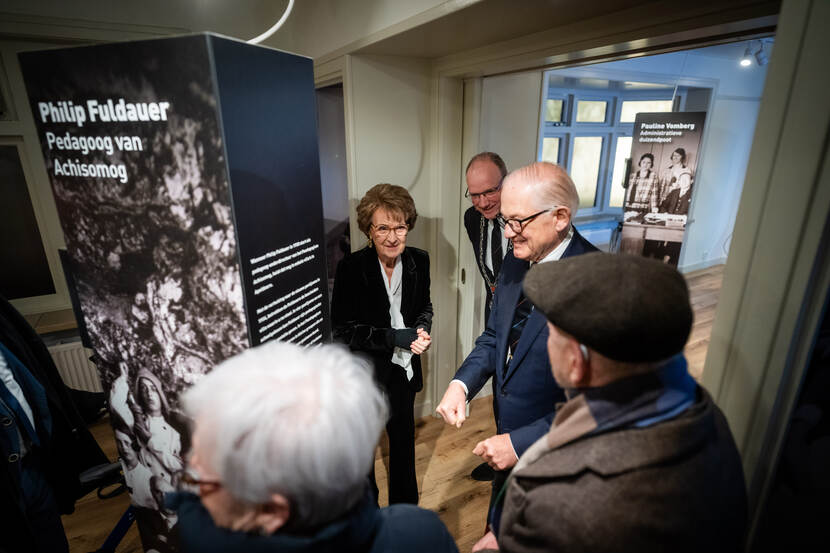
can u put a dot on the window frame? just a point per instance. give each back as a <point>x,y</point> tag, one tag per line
<point>600,191</point>
<point>609,130</point>
<point>564,146</point>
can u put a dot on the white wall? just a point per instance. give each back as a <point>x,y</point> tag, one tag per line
<point>510,117</point>
<point>719,182</point>
<point>389,100</point>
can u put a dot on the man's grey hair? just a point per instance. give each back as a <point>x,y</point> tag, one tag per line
<point>551,183</point>
<point>300,422</point>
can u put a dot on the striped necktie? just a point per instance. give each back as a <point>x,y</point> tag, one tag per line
<point>520,316</point>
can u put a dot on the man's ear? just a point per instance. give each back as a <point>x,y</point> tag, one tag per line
<point>563,219</point>
<point>273,515</point>
<point>579,369</point>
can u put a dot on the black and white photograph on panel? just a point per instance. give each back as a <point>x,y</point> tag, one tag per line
<point>186,176</point>
<point>133,148</point>
<point>658,194</point>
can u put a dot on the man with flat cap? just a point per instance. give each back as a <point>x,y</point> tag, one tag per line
<point>639,458</point>
<point>537,205</point>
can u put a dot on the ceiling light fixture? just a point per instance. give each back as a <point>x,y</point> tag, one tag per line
<point>277,25</point>
<point>746,60</point>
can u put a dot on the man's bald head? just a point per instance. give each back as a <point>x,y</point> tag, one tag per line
<point>537,204</point>
<point>550,183</point>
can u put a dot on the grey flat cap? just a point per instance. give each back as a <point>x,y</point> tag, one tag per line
<point>626,307</point>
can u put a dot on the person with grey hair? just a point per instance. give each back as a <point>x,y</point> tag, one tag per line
<point>283,439</point>
<point>537,205</point>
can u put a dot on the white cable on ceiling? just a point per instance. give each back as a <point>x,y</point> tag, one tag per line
<point>277,25</point>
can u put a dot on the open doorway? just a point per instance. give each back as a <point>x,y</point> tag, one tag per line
<point>333,177</point>
<point>583,119</point>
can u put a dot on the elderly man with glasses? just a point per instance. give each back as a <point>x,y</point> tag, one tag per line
<point>537,204</point>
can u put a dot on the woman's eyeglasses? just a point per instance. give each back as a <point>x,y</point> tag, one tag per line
<point>383,230</point>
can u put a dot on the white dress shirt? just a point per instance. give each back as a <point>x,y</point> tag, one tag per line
<point>488,249</point>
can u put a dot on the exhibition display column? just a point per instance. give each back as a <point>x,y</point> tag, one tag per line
<point>186,176</point>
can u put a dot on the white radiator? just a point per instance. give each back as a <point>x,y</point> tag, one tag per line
<point>75,368</point>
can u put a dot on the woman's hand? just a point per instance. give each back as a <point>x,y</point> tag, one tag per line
<point>422,343</point>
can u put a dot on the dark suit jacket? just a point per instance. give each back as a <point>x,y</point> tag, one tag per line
<point>472,222</point>
<point>360,306</point>
<point>675,486</point>
<point>526,394</point>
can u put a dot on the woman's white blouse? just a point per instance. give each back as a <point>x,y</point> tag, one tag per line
<point>400,357</point>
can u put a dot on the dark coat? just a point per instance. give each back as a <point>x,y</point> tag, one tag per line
<point>675,203</point>
<point>526,394</point>
<point>67,450</point>
<point>365,529</point>
<point>360,307</point>
<point>472,222</point>
<point>675,486</point>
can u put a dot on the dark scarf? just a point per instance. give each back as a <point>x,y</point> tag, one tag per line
<point>638,401</point>
<point>641,400</point>
<point>353,532</point>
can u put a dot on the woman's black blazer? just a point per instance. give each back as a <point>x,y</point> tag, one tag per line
<point>360,307</point>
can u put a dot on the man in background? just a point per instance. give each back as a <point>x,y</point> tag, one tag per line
<point>484,175</point>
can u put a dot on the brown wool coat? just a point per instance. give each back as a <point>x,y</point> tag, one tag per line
<point>676,486</point>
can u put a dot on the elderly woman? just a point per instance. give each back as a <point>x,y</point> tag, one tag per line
<point>380,306</point>
<point>282,440</point>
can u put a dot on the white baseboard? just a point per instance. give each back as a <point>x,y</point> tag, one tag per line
<point>702,265</point>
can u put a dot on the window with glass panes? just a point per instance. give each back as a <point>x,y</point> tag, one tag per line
<point>588,132</point>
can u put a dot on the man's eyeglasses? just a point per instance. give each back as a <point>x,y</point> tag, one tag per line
<point>489,194</point>
<point>383,231</point>
<point>187,477</point>
<point>518,225</point>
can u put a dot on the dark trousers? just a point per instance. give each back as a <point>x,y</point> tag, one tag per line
<point>403,486</point>
<point>496,500</point>
<point>41,508</point>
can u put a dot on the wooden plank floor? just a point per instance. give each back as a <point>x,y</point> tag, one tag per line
<point>443,454</point>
